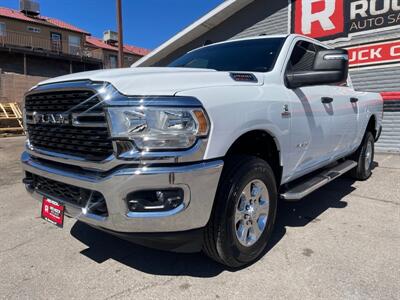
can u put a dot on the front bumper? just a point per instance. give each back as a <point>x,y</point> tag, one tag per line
<point>198,180</point>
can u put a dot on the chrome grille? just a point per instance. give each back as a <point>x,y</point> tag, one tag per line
<point>84,133</point>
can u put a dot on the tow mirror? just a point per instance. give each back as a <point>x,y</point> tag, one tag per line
<point>330,66</point>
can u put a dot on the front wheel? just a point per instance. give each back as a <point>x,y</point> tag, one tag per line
<point>364,157</point>
<point>244,213</point>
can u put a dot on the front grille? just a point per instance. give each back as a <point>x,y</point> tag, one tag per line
<point>91,141</point>
<point>67,101</point>
<point>92,200</point>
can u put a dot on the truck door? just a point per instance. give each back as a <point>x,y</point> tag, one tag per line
<point>345,113</point>
<point>311,116</point>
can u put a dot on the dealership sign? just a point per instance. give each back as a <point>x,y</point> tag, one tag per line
<point>373,54</point>
<point>332,19</point>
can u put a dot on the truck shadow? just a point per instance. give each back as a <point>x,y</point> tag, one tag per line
<point>102,246</point>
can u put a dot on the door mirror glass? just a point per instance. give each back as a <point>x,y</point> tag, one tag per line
<point>329,67</point>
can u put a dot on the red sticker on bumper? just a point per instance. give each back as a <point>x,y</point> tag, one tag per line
<point>53,212</point>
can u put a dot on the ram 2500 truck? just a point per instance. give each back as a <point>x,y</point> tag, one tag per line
<point>195,156</point>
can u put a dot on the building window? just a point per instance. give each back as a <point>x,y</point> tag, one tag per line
<point>2,29</point>
<point>33,29</point>
<point>56,41</point>
<point>113,61</point>
<point>74,43</point>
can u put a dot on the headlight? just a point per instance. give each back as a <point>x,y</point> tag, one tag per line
<point>154,128</point>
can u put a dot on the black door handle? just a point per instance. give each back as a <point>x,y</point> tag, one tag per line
<point>353,100</point>
<point>326,100</point>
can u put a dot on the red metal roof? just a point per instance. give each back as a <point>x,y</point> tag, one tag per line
<point>99,43</point>
<point>137,50</point>
<point>15,14</point>
<point>96,42</point>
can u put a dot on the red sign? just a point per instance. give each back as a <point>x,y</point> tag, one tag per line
<point>373,54</point>
<point>318,18</point>
<point>391,96</point>
<point>331,19</point>
<point>53,212</point>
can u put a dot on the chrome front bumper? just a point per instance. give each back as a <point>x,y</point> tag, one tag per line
<point>198,180</point>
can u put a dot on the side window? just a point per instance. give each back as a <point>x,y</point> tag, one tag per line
<point>113,61</point>
<point>33,29</point>
<point>74,44</point>
<point>303,56</point>
<point>2,29</point>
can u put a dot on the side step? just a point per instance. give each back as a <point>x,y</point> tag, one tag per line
<point>310,185</point>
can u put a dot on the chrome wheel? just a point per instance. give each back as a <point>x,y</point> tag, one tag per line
<point>251,214</point>
<point>368,155</point>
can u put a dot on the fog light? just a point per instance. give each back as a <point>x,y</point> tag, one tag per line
<point>154,200</point>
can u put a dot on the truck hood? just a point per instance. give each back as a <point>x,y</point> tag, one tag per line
<point>157,81</point>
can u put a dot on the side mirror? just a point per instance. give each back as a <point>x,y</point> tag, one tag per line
<point>330,66</point>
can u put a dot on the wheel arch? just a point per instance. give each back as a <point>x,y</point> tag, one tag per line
<point>253,143</point>
<point>371,126</point>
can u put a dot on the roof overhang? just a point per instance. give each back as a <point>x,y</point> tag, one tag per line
<point>195,30</point>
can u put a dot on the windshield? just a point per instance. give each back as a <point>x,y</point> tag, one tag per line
<point>258,55</point>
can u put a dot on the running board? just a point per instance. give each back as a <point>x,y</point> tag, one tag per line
<point>310,185</point>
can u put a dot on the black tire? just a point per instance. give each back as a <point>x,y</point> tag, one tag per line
<point>363,170</point>
<point>220,239</point>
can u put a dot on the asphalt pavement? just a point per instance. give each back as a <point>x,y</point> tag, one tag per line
<point>341,242</point>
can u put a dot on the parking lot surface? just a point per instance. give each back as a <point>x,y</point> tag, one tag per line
<point>341,242</point>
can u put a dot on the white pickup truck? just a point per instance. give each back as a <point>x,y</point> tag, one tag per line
<point>195,156</point>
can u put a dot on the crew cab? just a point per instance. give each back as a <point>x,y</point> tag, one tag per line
<point>195,156</point>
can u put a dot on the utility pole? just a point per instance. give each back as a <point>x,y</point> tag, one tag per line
<point>120,35</point>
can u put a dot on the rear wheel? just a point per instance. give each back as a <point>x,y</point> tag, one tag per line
<point>364,156</point>
<point>244,213</point>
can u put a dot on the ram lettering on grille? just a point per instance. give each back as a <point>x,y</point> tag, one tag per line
<point>68,122</point>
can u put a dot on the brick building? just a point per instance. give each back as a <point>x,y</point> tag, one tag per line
<point>107,51</point>
<point>34,47</point>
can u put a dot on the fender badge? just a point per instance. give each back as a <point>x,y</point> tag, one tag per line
<point>286,113</point>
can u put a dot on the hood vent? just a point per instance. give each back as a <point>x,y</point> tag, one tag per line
<point>245,77</point>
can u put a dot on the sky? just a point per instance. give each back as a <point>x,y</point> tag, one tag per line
<point>147,23</point>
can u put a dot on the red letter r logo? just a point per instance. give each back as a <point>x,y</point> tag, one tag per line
<point>318,18</point>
